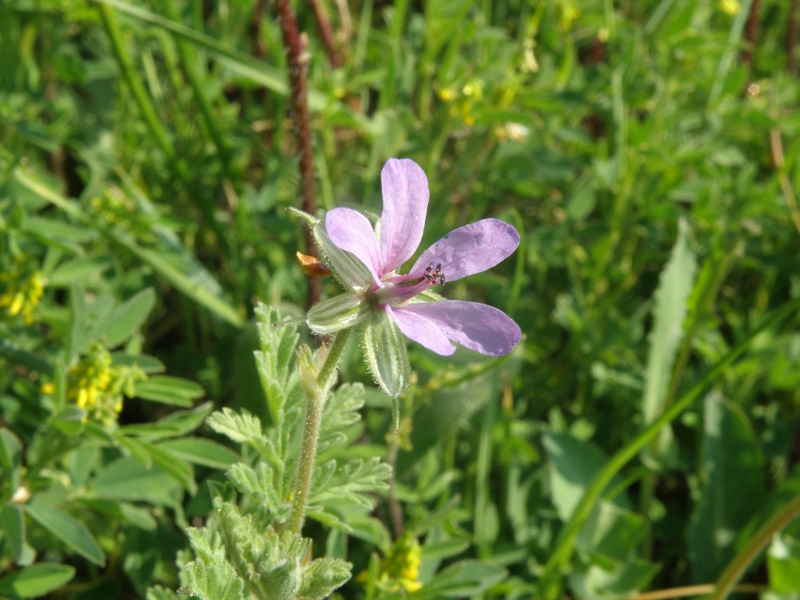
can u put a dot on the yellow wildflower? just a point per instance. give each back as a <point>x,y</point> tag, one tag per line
<point>97,387</point>
<point>446,94</point>
<point>21,292</point>
<point>399,569</point>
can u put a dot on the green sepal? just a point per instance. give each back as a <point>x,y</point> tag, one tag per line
<point>350,271</point>
<point>337,313</point>
<point>386,354</point>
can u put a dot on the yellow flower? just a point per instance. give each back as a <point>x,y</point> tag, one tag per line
<point>98,387</point>
<point>21,292</point>
<point>446,94</point>
<point>399,569</point>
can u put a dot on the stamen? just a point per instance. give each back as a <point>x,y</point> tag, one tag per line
<point>435,277</point>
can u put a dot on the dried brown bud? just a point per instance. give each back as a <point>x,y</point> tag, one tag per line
<point>312,266</point>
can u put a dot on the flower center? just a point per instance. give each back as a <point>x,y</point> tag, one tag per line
<point>399,289</point>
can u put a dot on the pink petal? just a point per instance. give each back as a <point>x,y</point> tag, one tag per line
<point>422,330</point>
<point>352,231</point>
<point>470,249</point>
<point>476,326</point>
<point>405,203</point>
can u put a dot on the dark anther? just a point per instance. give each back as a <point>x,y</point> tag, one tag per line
<point>434,277</point>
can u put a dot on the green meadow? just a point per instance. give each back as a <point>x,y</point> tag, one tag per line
<point>170,425</point>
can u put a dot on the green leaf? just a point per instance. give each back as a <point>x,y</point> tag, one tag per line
<point>147,364</point>
<point>202,452</point>
<point>322,576</point>
<point>35,581</point>
<point>611,582</point>
<point>122,511</point>
<point>462,580</point>
<point>177,424</point>
<point>731,462</point>
<point>79,270</point>
<point>612,532</point>
<point>573,466</point>
<point>177,468</point>
<point>68,529</point>
<point>129,479</point>
<point>783,564</point>
<point>671,298</point>
<point>189,287</point>
<point>354,481</point>
<point>12,525</point>
<point>19,355</point>
<point>386,354</point>
<point>159,593</point>
<point>169,390</point>
<point>10,451</point>
<point>123,320</point>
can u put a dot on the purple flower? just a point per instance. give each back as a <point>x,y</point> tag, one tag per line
<point>369,268</point>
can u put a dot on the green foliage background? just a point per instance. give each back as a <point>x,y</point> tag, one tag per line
<point>647,151</point>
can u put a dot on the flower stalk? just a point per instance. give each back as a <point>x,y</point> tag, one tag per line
<point>316,386</point>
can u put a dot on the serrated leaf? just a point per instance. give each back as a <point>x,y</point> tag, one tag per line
<point>159,593</point>
<point>35,581</point>
<point>68,529</point>
<point>245,428</point>
<point>256,482</point>
<point>341,411</point>
<point>275,362</point>
<point>217,581</point>
<point>352,482</point>
<point>323,576</point>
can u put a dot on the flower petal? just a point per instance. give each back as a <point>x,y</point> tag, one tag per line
<point>405,203</point>
<point>422,330</point>
<point>351,231</point>
<point>348,269</point>
<point>476,326</point>
<point>470,249</point>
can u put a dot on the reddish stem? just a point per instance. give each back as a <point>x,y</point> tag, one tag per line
<point>298,59</point>
<point>750,33</point>
<point>791,37</point>
<point>327,34</point>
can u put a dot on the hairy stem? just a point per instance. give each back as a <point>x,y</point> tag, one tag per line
<point>298,59</point>
<point>316,395</point>
<point>326,32</point>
